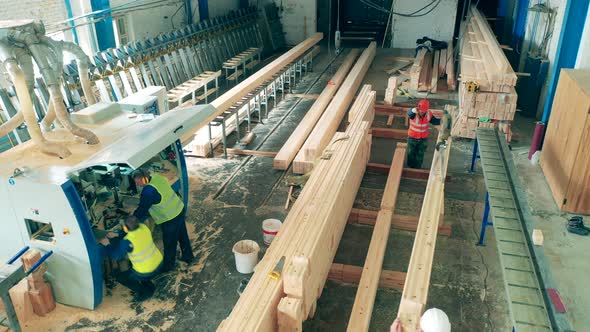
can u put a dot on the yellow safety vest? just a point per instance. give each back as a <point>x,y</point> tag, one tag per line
<point>145,256</point>
<point>170,205</point>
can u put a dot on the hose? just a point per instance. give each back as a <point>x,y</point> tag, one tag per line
<point>22,92</point>
<point>82,61</point>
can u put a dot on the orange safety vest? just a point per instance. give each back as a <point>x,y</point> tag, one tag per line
<point>419,125</point>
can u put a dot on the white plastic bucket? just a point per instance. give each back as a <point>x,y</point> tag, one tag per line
<point>246,252</point>
<point>270,228</point>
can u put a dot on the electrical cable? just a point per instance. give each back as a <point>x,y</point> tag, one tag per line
<point>412,14</point>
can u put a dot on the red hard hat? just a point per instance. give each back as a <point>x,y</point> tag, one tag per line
<point>423,105</point>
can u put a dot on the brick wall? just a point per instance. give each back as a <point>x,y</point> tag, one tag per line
<point>48,11</point>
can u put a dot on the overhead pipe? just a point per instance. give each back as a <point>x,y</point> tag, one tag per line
<point>22,92</point>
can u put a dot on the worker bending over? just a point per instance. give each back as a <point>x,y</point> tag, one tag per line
<point>420,117</point>
<point>146,260</point>
<point>159,201</point>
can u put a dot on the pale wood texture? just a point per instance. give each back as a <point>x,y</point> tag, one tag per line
<point>362,309</point>
<point>19,295</point>
<point>419,63</point>
<point>565,158</point>
<point>225,101</point>
<point>351,274</point>
<point>415,293</point>
<point>300,134</point>
<point>434,74</point>
<point>451,81</point>
<point>308,239</point>
<point>252,152</point>
<point>390,92</point>
<point>332,117</point>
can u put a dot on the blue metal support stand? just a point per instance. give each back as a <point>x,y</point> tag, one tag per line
<point>203,10</point>
<point>474,156</point>
<point>485,221</point>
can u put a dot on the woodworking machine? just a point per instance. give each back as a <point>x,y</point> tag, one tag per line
<point>67,205</point>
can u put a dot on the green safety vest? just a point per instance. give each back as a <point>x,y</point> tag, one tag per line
<point>170,205</point>
<point>144,257</point>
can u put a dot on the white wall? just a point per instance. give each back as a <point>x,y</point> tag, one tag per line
<point>299,19</point>
<point>148,22</point>
<point>583,61</point>
<point>222,7</point>
<point>439,24</point>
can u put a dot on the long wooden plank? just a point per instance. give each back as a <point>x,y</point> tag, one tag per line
<point>300,134</point>
<point>350,274</point>
<point>362,309</point>
<point>331,119</point>
<point>415,292</point>
<point>252,152</point>
<point>225,101</point>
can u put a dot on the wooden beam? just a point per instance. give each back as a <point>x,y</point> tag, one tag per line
<point>398,221</point>
<point>434,73</point>
<point>252,152</point>
<point>362,309</point>
<point>300,134</point>
<point>389,133</point>
<point>331,119</point>
<point>308,239</point>
<point>350,274</point>
<point>415,292</point>
<point>225,101</point>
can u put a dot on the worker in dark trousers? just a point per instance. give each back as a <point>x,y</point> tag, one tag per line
<point>159,201</point>
<point>146,260</point>
<point>420,117</point>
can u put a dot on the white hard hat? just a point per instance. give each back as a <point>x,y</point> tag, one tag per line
<point>435,320</point>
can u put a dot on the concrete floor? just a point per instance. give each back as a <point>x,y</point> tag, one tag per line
<point>230,199</point>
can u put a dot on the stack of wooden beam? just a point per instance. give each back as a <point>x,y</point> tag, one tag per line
<point>332,117</point>
<point>308,238</point>
<point>429,67</point>
<point>291,147</point>
<point>488,80</point>
<point>390,92</point>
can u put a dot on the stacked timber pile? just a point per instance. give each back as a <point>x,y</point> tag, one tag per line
<point>332,117</point>
<point>487,89</point>
<point>429,67</point>
<point>310,235</point>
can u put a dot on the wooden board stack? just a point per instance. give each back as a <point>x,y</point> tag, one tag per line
<point>429,67</point>
<point>300,134</point>
<point>308,239</point>
<point>482,61</point>
<point>332,117</point>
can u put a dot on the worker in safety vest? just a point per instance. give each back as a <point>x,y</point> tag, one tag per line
<point>159,201</point>
<point>433,320</point>
<point>420,117</point>
<point>137,243</point>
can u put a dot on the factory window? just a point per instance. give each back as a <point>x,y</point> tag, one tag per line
<point>40,231</point>
<point>120,28</point>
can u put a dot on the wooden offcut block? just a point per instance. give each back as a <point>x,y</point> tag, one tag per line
<point>19,295</point>
<point>537,237</point>
<point>29,258</point>
<point>42,300</point>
